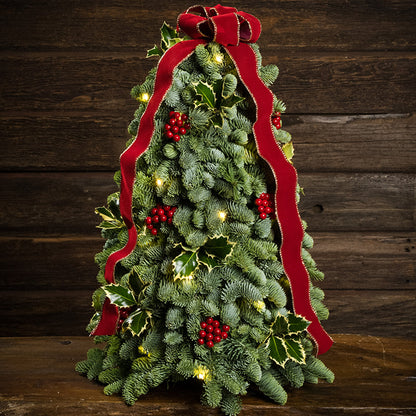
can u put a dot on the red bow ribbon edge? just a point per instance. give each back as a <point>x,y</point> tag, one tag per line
<point>233,30</point>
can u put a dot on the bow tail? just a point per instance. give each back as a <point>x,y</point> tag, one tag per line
<point>285,198</point>
<point>164,77</point>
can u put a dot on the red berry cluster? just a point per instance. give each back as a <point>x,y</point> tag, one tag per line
<point>276,120</point>
<point>265,206</point>
<point>160,214</point>
<point>124,313</point>
<point>211,332</point>
<point>178,126</point>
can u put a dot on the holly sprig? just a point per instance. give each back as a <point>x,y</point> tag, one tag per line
<point>169,37</point>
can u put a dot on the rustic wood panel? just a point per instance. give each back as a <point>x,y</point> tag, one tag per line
<point>287,24</point>
<point>361,143</point>
<point>309,82</point>
<point>67,312</point>
<point>53,203</point>
<point>349,260</point>
<point>373,375</point>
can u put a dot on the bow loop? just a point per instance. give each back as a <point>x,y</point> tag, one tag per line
<point>224,25</point>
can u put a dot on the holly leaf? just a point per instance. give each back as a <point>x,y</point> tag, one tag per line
<point>281,325</point>
<point>137,321</point>
<point>231,101</point>
<point>110,219</point>
<point>295,350</point>
<point>288,150</point>
<point>119,295</point>
<point>219,247</point>
<point>155,51</point>
<point>168,33</point>
<point>207,94</point>
<point>185,264</point>
<point>297,323</point>
<point>136,284</point>
<point>210,262</point>
<point>109,225</point>
<point>105,213</point>
<point>278,351</point>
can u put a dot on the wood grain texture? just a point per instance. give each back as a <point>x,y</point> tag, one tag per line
<point>337,83</point>
<point>68,311</point>
<point>360,143</point>
<point>117,25</point>
<point>349,261</point>
<point>373,376</point>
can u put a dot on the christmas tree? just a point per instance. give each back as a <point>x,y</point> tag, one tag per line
<point>205,271</point>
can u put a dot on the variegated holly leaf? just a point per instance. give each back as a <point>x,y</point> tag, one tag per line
<point>297,323</point>
<point>119,295</point>
<point>295,350</point>
<point>137,321</point>
<point>278,351</point>
<point>185,264</point>
<point>208,261</point>
<point>207,94</point>
<point>218,247</point>
<point>155,51</point>
<point>137,284</point>
<point>231,101</point>
<point>217,120</point>
<point>110,220</point>
<point>280,326</point>
<point>168,33</point>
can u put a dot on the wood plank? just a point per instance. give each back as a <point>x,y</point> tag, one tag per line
<point>117,25</point>
<point>309,82</point>
<point>54,203</point>
<point>373,376</point>
<point>349,260</point>
<point>361,143</point>
<point>67,312</point>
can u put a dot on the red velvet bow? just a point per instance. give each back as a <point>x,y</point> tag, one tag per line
<point>234,30</point>
<point>224,25</point>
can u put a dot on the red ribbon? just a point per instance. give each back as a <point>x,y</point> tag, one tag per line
<point>233,30</point>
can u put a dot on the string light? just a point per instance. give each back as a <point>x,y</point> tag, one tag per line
<point>218,58</point>
<point>187,278</point>
<point>259,305</point>
<point>222,215</point>
<point>159,182</point>
<point>144,97</point>
<point>202,373</point>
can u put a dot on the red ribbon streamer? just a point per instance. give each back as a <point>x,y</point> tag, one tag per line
<point>232,29</point>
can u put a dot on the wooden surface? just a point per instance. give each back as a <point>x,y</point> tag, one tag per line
<point>373,376</point>
<point>347,76</point>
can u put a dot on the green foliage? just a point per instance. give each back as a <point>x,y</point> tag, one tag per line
<point>272,388</point>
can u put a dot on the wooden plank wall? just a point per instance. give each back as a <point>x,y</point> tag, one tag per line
<point>348,78</point>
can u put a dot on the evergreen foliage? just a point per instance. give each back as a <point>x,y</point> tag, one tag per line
<point>238,280</point>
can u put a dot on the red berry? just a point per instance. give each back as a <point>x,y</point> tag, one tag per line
<point>184,117</point>
<point>153,231</point>
<point>225,328</point>
<point>124,314</point>
<point>263,216</point>
<point>210,344</point>
<point>163,218</point>
<point>160,211</point>
<point>166,207</point>
<point>155,219</point>
<point>203,325</point>
<point>169,220</point>
<point>172,114</point>
<point>278,125</point>
<point>209,336</point>
<point>267,196</point>
<point>154,211</point>
<point>276,121</point>
<point>268,210</point>
<point>209,320</point>
<point>174,209</point>
<point>265,202</point>
<point>169,134</point>
<point>202,334</point>
<point>216,331</point>
<point>176,137</point>
<point>175,129</point>
<point>149,226</point>
<point>201,341</point>
<point>179,123</point>
<point>258,201</point>
<point>262,195</point>
<point>167,126</point>
<point>172,121</point>
<point>187,126</point>
<point>170,213</point>
<point>224,335</point>
<point>217,339</point>
<point>177,115</point>
<point>215,324</point>
<point>261,208</point>
<point>148,220</point>
<point>182,130</point>
<point>209,328</point>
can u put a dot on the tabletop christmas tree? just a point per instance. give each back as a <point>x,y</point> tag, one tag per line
<point>205,271</point>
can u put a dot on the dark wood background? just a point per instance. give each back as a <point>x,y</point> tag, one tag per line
<point>348,78</point>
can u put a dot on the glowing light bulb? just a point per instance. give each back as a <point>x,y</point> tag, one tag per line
<point>202,373</point>
<point>222,215</point>
<point>144,97</point>
<point>259,305</point>
<point>218,58</point>
<point>187,278</point>
<point>159,182</point>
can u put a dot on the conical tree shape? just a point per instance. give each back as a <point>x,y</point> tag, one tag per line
<point>204,293</point>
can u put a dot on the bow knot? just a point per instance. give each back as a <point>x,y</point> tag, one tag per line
<point>224,25</point>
